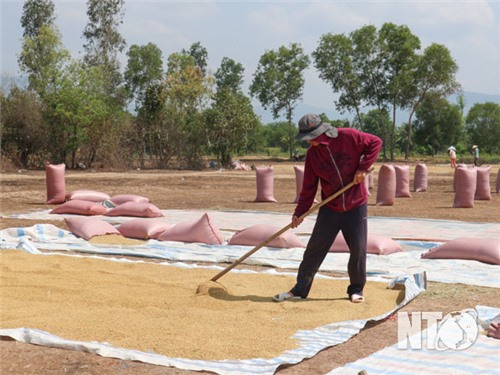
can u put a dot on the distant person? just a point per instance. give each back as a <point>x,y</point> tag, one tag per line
<point>475,152</point>
<point>453,156</point>
<point>335,157</point>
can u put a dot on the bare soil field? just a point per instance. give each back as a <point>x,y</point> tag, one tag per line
<point>25,191</point>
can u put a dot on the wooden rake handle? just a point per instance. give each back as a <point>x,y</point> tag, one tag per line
<point>283,230</point>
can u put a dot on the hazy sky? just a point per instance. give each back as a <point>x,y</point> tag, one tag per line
<point>244,30</point>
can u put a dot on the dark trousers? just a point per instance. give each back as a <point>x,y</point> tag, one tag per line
<point>354,227</point>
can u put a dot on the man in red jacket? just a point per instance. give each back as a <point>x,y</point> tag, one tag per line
<point>335,158</point>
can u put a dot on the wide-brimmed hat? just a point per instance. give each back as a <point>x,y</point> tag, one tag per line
<point>452,148</point>
<point>474,147</point>
<point>311,126</point>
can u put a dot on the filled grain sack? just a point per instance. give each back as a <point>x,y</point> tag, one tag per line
<point>420,178</point>
<point>402,181</point>
<point>386,187</point>
<point>498,181</point>
<point>87,195</point>
<point>258,233</point>
<point>201,230</point>
<point>265,184</point>
<point>370,178</point>
<point>143,228</point>
<point>486,250</point>
<point>483,191</point>
<point>465,187</point>
<point>299,179</point>
<point>55,182</point>
<point>376,244</point>
<point>79,207</point>
<point>138,209</point>
<point>88,227</point>
<point>124,198</point>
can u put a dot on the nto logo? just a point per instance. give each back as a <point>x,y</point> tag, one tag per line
<point>456,331</point>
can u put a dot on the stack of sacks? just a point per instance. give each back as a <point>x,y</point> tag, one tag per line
<point>91,202</point>
<point>265,184</point>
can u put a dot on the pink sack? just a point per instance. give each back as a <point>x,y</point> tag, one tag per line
<point>124,198</point>
<point>88,227</point>
<point>386,189</point>
<point>256,234</point>
<point>483,191</point>
<point>402,181</point>
<point>486,250</point>
<point>139,209</point>
<point>498,181</point>
<point>201,230</point>
<point>143,228</point>
<point>56,184</point>
<point>87,195</point>
<point>265,184</point>
<point>369,178</point>
<point>420,178</point>
<point>299,179</point>
<point>79,207</point>
<point>465,187</point>
<point>376,244</point>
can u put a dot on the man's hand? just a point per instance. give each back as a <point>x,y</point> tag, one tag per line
<point>359,177</point>
<point>296,221</point>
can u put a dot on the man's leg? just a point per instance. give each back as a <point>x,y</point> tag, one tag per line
<point>325,230</point>
<point>355,231</point>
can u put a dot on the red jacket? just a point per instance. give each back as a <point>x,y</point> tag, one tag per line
<point>333,163</point>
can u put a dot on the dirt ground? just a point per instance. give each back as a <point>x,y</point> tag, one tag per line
<point>24,191</point>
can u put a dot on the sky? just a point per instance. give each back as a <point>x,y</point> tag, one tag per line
<point>244,30</point>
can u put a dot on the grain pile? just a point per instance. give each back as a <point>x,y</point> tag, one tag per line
<point>155,308</point>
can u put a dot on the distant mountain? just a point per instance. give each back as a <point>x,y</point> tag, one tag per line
<point>471,98</point>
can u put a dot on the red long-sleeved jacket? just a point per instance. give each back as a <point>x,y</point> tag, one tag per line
<point>334,163</point>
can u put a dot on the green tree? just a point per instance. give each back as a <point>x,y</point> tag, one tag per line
<point>376,122</point>
<point>144,68</point>
<point>200,55</point>
<point>398,47</point>
<point>36,13</point>
<point>434,75</point>
<point>438,125</point>
<point>279,82</point>
<point>79,117</point>
<point>43,58</point>
<point>104,43</point>
<point>483,126</point>
<point>144,71</point>
<point>334,58</point>
<point>229,75</point>
<point>22,127</point>
<point>184,96</point>
<point>229,123</point>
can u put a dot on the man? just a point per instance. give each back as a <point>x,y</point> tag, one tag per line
<point>475,152</point>
<point>335,158</point>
